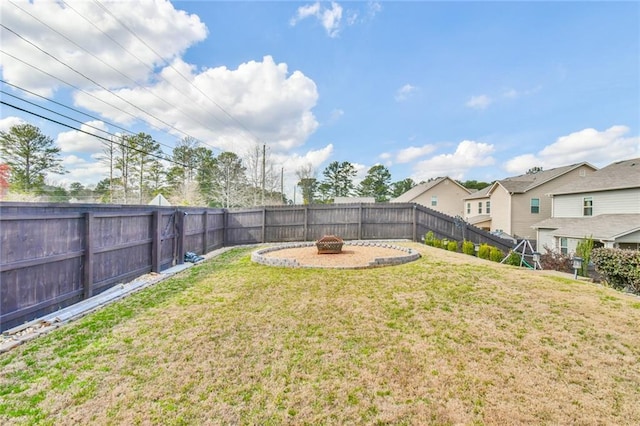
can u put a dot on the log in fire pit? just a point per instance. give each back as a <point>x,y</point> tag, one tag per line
<point>329,244</point>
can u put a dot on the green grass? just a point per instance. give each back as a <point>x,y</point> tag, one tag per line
<point>447,339</point>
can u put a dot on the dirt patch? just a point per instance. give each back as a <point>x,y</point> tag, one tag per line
<point>352,256</point>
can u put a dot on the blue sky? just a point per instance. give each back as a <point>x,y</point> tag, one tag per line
<point>472,90</point>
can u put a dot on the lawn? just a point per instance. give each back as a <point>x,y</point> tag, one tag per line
<point>447,339</point>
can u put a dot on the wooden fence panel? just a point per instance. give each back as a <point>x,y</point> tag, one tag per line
<point>285,224</point>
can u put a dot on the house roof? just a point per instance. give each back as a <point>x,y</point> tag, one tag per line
<point>619,175</point>
<point>482,193</point>
<point>523,183</point>
<point>606,227</point>
<point>423,187</point>
<point>479,219</point>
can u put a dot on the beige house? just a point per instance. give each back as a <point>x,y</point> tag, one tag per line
<point>512,205</point>
<point>442,194</point>
<point>605,205</point>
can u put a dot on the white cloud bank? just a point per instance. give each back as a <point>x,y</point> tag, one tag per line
<point>479,102</point>
<point>99,40</point>
<point>331,18</point>
<point>405,92</point>
<point>468,155</point>
<point>596,147</point>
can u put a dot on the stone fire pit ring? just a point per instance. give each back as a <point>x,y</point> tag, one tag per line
<point>397,255</point>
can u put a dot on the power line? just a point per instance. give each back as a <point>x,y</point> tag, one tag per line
<point>89,79</point>
<point>83,91</point>
<point>65,106</point>
<point>94,135</point>
<point>107,64</point>
<point>220,107</point>
<point>71,118</point>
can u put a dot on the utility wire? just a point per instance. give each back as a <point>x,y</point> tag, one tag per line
<point>91,80</point>
<point>85,92</point>
<point>167,63</point>
<point>109,65</point>
<point>164,158</point>
<point>65,106</point>
<point>73,119</point>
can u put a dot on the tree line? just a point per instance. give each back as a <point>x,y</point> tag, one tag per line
<point>192,174</point>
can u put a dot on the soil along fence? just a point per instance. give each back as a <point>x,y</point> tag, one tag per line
<point>52,256</point>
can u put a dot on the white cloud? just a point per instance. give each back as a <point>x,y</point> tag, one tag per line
<point>468,155</point>
<point>412,153</point>
<point>8,122</point>
<point>291,163</point>
<point>334,18</point>
<point>257,101</point>
<point>514,94</point>
<point>336,115</point>
<point>596,147</point>
<point>157,22</point>
<point>329,18</point>
<point>405,92</point>
<point>75,141</point>
<point>80,170</point>
<point>373,8</point>
<point>479,102</point>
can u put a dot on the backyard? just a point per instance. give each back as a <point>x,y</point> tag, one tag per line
<point>446,339</point>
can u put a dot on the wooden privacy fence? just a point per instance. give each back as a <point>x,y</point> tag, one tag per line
<point>52,256</point>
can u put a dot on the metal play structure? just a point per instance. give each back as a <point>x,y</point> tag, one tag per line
<point>534,255</point>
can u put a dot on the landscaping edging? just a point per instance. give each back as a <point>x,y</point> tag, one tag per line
<point>411,255</point>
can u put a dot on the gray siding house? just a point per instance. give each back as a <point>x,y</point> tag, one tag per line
<point>604,205</point>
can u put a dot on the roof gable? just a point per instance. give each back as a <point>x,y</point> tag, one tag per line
<point>604,227</point>
<point>623,174</point>
<point>423,187</point>
<point>527,182</point>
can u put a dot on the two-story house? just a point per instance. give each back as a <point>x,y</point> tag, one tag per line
<point>512,205</point>
<point>605,205</point>
<point>442,194</point>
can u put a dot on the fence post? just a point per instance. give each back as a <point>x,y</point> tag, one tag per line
<point>180,235</point>
<point>205,237</point>
<point>264,225</point>
<point>225,227</point>
<point>360,211</point>
<point>306,222</point>
<point>156,241</point>
<point>87,279</point>
<point>414,225</point>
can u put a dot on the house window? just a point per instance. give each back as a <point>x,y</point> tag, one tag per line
<point>587,206</point>
<point>564,248</point>
<point>468,208</point>
<point>480,207</point>
<point>535,205</point>
<point>488,207</point>
<point>434,200</point>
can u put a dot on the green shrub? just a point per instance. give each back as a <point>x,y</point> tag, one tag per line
<point>437,243</point>
<point>619,268</point>
<point>514,259</point>
<point>452,246</point>
<point>468,248</point>
<point>429,238</point>
<point>496,254</point>
<point>485,251</point>
<point>583,250</point>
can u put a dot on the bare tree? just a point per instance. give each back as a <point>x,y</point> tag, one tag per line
<point>262,176</point>
<point>307,182</point>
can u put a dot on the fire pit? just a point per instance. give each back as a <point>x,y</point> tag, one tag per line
<point>329,244</point>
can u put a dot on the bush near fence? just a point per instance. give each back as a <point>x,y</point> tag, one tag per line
<point>619,268</point>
